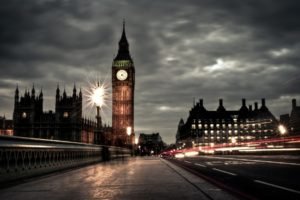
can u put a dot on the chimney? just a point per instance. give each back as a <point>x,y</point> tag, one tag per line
<point>221,102</point>
<point>201,102</point>
<point>244,102</point>
<point>250,107</point>
<point>263,102</point>
<point>255,106</point>
<point>294,103</point>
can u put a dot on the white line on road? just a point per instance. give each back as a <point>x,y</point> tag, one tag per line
<point>277,186</point>
<point>200,165</point>
<point>262,161</point>
<point>187,161</point>
<point>225,172</point>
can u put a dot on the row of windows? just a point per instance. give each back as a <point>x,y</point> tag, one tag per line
<point>200,126</point>
<point>236,131</point>
<point>234,119</point>
<point>231,138</point>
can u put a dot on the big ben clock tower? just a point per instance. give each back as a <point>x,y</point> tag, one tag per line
<point>123,79</point>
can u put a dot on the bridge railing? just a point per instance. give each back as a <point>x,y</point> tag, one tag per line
<point>25,157</point>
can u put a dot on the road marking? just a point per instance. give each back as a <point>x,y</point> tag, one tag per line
<point>277,186</point>
<point>187,161</point>
<point>200,165</point>
<point>225,172</point>
<point>261,161</point>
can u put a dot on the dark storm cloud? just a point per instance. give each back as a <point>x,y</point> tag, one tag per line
<point>206,49</point>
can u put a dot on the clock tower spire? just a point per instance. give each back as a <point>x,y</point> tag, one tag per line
<point>123,80</point>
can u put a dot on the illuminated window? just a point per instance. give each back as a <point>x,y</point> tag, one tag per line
<point>229,125</point>
<point>224,125</point>
<point>212,132</point>
<point>235,131</point>
<point>211,138</point>
<point>235,125</point>
<point>218,125</point>
<point>205,125</point>
<point>211,125</point>
<point>193,126</point>
<point>200,125</point>
<point>205,132</point>
<point>24,115</point>
<point>218,132</point>
<point>229,132</point>
<point>66,115</point>
<point>242,126</point>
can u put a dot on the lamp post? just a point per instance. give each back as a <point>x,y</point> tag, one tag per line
<point>128,131</point>
<point>98,98</point>
<point>282,131</point>
<point>129,142</point>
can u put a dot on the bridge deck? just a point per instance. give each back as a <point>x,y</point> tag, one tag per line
<point>135,178</point>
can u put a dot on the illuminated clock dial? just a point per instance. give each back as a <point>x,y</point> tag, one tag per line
<point>122,75</point>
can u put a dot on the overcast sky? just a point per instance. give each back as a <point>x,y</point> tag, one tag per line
<point>206,49</point>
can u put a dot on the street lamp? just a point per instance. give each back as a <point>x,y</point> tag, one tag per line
<point>98,99</point>
<point>128,131</point>
<point>282,129</point>
<point>282,132</point>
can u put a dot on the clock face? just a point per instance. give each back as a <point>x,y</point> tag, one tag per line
<point>122,75</point>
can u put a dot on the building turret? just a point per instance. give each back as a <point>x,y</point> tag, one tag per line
<point>17,95</point>
<point>221,107</point>
<point>41,94</point>
<point>74,92</point>
<point>57,93</point>
<point>294,103</point>
<point>80,94</point>
<point>64,94</point>
<point>33,92</point>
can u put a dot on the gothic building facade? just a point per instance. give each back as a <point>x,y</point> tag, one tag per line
<point>123,80</point>
<point>204,127</point>
<point>66,123</point>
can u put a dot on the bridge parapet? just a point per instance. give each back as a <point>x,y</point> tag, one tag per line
<point>25,157</point>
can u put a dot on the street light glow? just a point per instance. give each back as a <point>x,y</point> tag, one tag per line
<point>128,130</point>
<point>282,129</point>
<point>98,96</point>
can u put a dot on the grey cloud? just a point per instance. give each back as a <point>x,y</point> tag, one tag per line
<point>173,44</point>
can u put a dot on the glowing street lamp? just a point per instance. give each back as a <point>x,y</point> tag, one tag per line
<point>282,129</point>
<point>128,130</point>
<point>98,99</point>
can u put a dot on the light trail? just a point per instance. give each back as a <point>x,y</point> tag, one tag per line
<point>261,161</point>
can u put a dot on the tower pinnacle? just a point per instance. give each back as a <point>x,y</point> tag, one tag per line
<point>123,52</point>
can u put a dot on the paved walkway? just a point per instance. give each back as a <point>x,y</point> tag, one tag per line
<point>136,178</point>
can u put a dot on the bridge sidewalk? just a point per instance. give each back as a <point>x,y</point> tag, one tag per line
<point>135,178</point>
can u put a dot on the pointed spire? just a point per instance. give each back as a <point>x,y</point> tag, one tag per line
<point>33,91</point>
<point>64,94</point>
<point>17,93</point>
<point>74,91</point>
<point>123,40</point>
<point>80,93</point>
<point>41,93</point>
<point>123,52</point>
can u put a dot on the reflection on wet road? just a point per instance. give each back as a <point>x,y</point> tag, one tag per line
<point>137,178</point>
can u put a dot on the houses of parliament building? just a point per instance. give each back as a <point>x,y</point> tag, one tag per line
<point>66,123</point>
